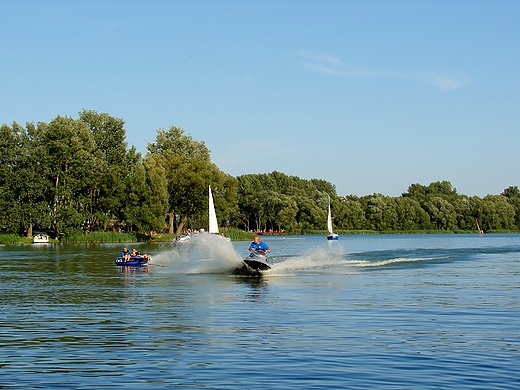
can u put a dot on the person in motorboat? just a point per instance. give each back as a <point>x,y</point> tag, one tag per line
<point>259,246</point>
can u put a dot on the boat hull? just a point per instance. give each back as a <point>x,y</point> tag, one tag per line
<point>332,237</point>
<point>257,261</point>
<point>183,238</point>
<point>134,261</point>
<point>41,239</point>
<point>254,264</point>
<point>257,264</point>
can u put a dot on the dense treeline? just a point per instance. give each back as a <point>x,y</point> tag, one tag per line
<point>276,201</point>
<point>73,175</point>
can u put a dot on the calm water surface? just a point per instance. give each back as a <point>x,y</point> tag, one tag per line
<point>365,312</point>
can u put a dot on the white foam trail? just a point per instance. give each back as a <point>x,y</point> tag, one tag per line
<point>327,262</point>
<point>202,253</point>
<point>206,253</point>
<point>318,261</point>
<point>382,263</point>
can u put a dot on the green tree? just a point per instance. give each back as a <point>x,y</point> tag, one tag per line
<point>464,218</point>
<point>410,215</point>
<point>441,189</point>
<point>512,195</point>
<point>188,171</point>
<point>155,204</point>
<point>250,202</point>
<point>511,192</point>
<point>497,213</point>
<point>31,185</point>
<point>112,177</point>
<point>69,163</point>
<point>475,212</point>
<point>9,153</point>
<point>286,213</point>
<point>22,204</point>
<point>442,213</point>
<point>310,215</point>
<point>380,212</point>
<point>136,193</point>
<point>351,216</point>
<point>277,201</point>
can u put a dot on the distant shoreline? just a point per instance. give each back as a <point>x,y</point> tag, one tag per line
<point>9,239</point>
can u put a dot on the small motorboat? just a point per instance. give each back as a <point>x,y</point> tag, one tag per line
<point>41,238</point>
<point>183,238</point>
<point>135,261</point>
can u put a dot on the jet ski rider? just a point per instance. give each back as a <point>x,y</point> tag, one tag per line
<point>259,246</point>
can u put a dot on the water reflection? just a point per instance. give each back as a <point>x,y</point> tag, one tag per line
<point>132,269</point>
<point>257,288</point>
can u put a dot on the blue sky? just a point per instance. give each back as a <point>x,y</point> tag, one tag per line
<point>369,95</point>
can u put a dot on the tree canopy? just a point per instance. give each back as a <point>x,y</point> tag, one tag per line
<point>188,172</point>
<point>73,175</point>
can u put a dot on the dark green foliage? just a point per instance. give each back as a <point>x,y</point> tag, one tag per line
<point>279,202</point>
<point>188,171</point>
<point>73,176</point>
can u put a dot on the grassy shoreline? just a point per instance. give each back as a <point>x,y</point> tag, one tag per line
<point>117,237</point>
<point>233,234</point>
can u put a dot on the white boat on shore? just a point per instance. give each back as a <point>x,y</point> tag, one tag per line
<point>183,238</point>
<point>41,238</point>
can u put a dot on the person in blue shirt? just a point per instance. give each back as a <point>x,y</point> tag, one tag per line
<point>125,254</point>
<point>259,246</point>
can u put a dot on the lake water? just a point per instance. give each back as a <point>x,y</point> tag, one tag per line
<point>364,312</point>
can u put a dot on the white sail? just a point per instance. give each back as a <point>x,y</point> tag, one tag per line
<point>329,220</point>
<point>331,235</point>
<point>213,224</point>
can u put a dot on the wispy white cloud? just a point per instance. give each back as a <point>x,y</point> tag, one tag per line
<point>443,82</point>
<point>333,66</point>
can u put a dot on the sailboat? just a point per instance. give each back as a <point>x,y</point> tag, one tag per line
<point>331,235</point>
<point>213,223</point>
